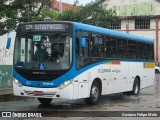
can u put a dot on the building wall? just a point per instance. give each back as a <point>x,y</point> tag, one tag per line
<point>150,33</point>
<point>6,60</point>
<point>129,10</point>
<point>134,7</point>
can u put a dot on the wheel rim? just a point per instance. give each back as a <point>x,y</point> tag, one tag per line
<point>136,89</point>
<point>95,93</point>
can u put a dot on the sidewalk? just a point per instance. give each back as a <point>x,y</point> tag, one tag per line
<point>6,93</point>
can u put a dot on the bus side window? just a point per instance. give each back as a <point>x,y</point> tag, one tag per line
<point>97,48</point>
<point>122,48</point>
<point>141,46</point>
<point>132,49</point>
<point>111,47</point>
<point>149,51</point>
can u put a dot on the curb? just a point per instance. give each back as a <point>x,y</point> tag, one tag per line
<point>6,95</point>
<point>10,97</point>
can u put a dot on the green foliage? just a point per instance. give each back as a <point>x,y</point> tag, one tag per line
<point>46,13</point>
<point>100,16</point>
<point>68,15</point>
<point>18,11</point>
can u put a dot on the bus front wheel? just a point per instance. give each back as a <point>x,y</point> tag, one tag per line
<point>45,101</point>
<point>136,87</point>
<point>95,94</point>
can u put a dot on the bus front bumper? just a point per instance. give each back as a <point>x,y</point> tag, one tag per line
<point>65,93</point>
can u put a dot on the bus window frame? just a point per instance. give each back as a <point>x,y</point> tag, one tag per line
<point>106,37</point>
<point>150,51</point>
<point>103,46</point>
<point>141,50</point>
<point>125,44</point>
<point>80,51</point>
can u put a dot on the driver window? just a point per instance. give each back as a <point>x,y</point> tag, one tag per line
<point>41,54</point>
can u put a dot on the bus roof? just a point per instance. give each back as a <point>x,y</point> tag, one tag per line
<point>101,30</point>
<point>113,32</point>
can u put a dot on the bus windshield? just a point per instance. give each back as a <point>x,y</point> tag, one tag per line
<point>43,52</point>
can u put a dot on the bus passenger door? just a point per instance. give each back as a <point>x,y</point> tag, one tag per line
<point>82,58</point>
<point>115,69</point>
<point>107,82</point>
<point>83,88</point>
<point>120,76</point>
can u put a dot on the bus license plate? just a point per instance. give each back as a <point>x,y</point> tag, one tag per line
<point>38,93</point>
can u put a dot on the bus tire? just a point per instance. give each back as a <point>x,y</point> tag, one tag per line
<point>95,94</point>
<point>156,71</point>
<point>129,93</point>
<point>45,101</point>
<point>136,87</point>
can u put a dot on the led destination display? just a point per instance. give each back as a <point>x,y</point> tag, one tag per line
<point>44,27</point>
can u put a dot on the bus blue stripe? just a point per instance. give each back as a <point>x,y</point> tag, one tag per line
<point>72,73</point>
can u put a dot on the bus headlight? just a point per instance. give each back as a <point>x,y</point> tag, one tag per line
<point>17,82</point>
<point>65,84</point>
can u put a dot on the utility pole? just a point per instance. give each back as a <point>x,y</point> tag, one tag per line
<point>60,6</point>
<point>88,18</point>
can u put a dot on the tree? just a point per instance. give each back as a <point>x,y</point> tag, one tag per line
<point>101,16</point>
<point>46,13</point>
<point>7,16</point>
<point>32,8</point>
<point>13,12</point>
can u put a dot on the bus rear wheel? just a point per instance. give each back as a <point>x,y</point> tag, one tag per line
<point>136,87</point>
<point>95,94</point>
<point>45,101</point>
<point>156,71</point>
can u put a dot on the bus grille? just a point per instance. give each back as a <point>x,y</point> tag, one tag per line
<point>39,77</point>
<point>33,75</point>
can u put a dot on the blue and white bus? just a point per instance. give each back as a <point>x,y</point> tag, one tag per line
<point>69,60</point>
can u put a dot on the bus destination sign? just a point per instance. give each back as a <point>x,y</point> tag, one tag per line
<point>45,27</point>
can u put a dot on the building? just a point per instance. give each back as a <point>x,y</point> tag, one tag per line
<point>56,6</point>
<point>139,17</point>
<point>6,60</point>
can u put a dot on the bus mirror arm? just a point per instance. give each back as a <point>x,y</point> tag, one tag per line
<point>8,43</point>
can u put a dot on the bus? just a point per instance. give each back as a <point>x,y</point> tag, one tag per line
<point>71,60</point>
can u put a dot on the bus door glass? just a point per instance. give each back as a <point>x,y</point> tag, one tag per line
<point>82,48</point>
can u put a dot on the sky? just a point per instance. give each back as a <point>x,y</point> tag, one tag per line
<point>83,2</point>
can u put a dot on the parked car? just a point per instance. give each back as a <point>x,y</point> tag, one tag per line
<point>157,69</point>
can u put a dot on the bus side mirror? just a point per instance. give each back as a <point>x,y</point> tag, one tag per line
<point>83,42</point>
<point>8,43</point>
